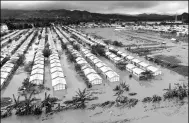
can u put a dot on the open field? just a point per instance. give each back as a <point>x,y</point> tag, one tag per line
<point>147,40</point>
<point>164,111</point>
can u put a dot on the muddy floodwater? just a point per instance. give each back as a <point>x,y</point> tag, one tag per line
<point>163,112</point>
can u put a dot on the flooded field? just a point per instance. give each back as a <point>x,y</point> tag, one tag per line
<point>172,111</point>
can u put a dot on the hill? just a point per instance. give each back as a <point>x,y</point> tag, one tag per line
<point>82,15</point>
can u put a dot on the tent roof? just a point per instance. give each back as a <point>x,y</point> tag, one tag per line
<point>55,64</point>
<point>105,69</point>
<point>40,66</point>
<point>82,62</point>
<point>130,57</point>
<point>143,64</point>
<point>88,71</point>
<point>37,71</point>
<point>36,77</point>
<point>111,74</point>
<point>54,69</point>
<point>96,61</point>
<point>92,77</point>
<point>8,65</point>
<point>138,70</point>
<point>4,74</point>
<point>79,59</point>
<point>57,74</point>
<point>6,69</point>
<point>58,80</point>
<point>100,64</point>
<point>136,60</point>
<point>108,53</point>
<point>2,81</point>
<point>130,66</point>
<point>85,66</point>
<point>153,69</point>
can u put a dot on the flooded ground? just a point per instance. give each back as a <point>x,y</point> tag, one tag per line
<point>165,111</point>
<point>178,50</point>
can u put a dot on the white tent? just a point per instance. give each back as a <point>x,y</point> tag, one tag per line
<point>89,55</point>
<point>79,59</point>
<point>55,69</point>
<point>119,52</point>
<point>116,59</point>
<point>54,61</point>
<point>86,66</point>
<point>37,71</point>
<point>95,61</point>
<point>130,67</point>
<point>94,79</point>
<point>4,75</point>
<point>92,58</point>
<point>99,65</point>
<point>2,82</point>
<point>56,64</point>
<point>111,56</point>
<point>39,62</point>
<point>129,58</point>
<point>143,65</point>
<point>57,74</point>
<point>155,70</point>
<point>59,83</point>
<point>88,71</point>
<point>138,72</point>
<point>112,76</point>
<point>135,61</point>
<point>8,65</point>
<point>108,53</point>
<point>82,62</point>
<point>6,69</point>
<point>105,69</point>
<point>39,66</point>
<point>36,79</point>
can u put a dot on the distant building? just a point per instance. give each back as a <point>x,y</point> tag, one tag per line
<point>4,28</point>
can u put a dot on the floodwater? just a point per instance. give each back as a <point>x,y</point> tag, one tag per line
<point>163,112</point>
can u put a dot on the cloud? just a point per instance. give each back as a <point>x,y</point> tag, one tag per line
<point>122,7</point>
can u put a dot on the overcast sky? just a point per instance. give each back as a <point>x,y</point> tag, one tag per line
<point>122,7</point>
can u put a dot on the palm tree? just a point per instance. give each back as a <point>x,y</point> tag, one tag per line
<point>80,100</point>
<point>16,100</point>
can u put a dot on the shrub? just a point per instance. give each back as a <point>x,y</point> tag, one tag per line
<point>46,52</point>
<point>116,43</point>
<point>98,50</point>
<point>28,67</point>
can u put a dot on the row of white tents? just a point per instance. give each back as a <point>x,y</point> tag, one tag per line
<point>168,29</point>
<point>5,40</point>
<point>15,44</point>
<point>100,66</point>
<point>91,75</point>
<point>140,66</point>
<point>37,73</point>
<point>9,35</point>
<point>8,67</point>
<point>57,75</point>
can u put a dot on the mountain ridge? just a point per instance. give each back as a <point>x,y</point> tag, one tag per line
<point>84,15</point>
